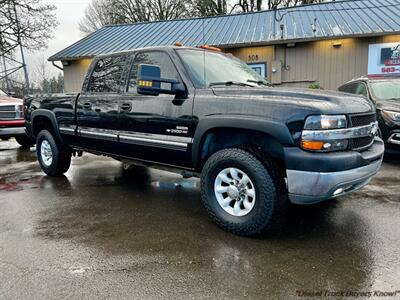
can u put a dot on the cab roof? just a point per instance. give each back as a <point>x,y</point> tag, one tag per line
<point>160,48</point>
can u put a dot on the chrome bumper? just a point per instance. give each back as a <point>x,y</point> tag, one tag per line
<point>7,132</point>
<point>311,187</point>
<point>394,138</point>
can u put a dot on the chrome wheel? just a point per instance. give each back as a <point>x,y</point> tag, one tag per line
<point>46,153</point>
<point>235,192</point>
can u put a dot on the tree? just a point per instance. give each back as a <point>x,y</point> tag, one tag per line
<point>207,8</point>
<point>248,5</point>
<point>98,14</point>
<point>44,80</point>
<point>106,12</point>
<point>29,21</point>
<point>52,85</point>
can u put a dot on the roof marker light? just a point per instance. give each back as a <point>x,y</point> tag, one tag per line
<point>207,47</point>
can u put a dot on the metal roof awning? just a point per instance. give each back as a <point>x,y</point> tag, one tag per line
<point>309,22</point>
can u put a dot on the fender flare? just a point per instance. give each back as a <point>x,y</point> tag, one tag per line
<point>52,117</point>
<point>275,129</point>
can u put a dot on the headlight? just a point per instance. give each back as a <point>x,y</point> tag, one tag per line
<point>325,122</point>
<point>392,115</point>
<point>319,124</point>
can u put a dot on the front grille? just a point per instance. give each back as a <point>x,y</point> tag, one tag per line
<point>7,108</point>
<point>8,112</point>
<point>7,115</point>
<point>360,143</point>
<point>362,120</point>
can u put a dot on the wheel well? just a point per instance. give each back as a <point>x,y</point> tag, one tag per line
<point>40,123</point>
<point>260,144</point>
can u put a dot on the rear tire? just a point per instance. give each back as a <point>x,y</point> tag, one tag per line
<point>54,159</point>
<point>260,205</point>
<point>25,141</point>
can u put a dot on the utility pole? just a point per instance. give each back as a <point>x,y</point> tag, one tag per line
<point>22,50</point>
<point>9,64</point>
<point>5,71</point>
<point>6,74</point>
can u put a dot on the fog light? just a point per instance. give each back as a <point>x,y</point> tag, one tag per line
<point>338,192</point>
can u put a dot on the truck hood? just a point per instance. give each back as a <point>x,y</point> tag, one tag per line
<point>313,101</point>
<point>7,100</point>
<point>393,105</point>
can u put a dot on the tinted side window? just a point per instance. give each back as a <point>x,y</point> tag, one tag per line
<point>349,88</point>
<point>106,76</point>
<point>160,59</point>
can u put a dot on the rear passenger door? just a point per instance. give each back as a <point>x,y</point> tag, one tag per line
<point>98,105</point>
<point>156,128</point>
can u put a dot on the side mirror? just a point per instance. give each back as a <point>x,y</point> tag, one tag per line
<point>150,82</point>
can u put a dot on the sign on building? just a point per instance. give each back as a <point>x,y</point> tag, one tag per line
<point>384,59</point>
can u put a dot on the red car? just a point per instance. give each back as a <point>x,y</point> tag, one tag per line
<point>12,123</point>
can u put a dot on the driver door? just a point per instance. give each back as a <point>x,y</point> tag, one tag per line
<point>156,128</point>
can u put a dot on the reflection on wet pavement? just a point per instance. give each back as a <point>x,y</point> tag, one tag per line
<point>101,231</point>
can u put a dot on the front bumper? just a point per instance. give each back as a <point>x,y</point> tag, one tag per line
<point>308,187</point>
<point>8,132</point>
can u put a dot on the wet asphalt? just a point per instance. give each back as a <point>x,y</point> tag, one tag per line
<point>100,232</point>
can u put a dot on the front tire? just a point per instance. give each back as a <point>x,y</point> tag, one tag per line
<point>53,158</point>
<point>240,194</point>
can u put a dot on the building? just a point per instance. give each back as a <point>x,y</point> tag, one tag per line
<point>327,43</point>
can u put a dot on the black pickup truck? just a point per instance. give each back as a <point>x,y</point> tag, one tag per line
<point>207,114</point>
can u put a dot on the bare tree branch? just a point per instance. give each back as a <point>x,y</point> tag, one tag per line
<point>28,21</point>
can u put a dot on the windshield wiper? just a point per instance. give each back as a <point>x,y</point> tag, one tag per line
<point>230,83</point>
<point>259,82</point>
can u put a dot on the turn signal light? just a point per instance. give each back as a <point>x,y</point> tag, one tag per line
<point>145,83</point>
<point>312,145</point>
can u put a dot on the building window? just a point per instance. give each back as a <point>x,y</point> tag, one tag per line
<point>260,68</point>
<point>106,76</point>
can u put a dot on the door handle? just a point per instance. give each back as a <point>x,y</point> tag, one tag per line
<point>126,107</point>
<point>87,106</point>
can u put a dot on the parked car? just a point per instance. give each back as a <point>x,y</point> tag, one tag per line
<point>207,114</point>
<point>12,123</point>
<point>385,94</point>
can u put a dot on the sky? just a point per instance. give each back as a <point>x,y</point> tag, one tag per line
<point>69,13</point>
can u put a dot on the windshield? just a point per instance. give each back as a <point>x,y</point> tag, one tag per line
<point>219,69</point>
<point>386,90</point>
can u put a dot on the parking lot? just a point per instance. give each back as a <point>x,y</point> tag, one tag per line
<point>101,232</point>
